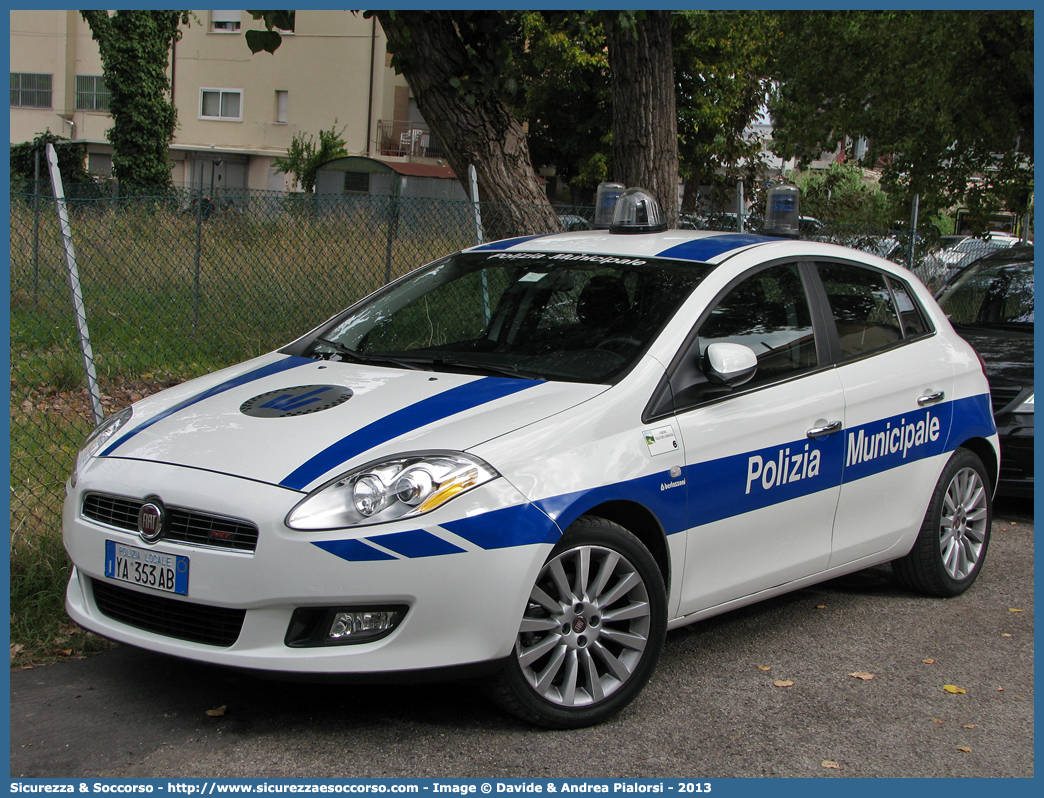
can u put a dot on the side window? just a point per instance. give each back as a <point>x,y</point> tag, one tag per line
<point>768,312</point>
<point>861,303</point>
<point>909,313</point>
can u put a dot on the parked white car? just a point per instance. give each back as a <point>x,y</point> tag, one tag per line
<point>939,267</point>
<point>531,459</point>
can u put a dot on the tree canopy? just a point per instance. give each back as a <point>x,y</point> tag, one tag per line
<point>721,63</point>
<point>945,98</point>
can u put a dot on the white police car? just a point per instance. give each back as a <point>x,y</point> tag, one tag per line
<point>531,459</point>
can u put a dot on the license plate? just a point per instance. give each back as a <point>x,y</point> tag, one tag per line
<point>153,569</point>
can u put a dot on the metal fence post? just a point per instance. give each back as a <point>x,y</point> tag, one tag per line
<point>473,182</point>
<point>913,232</point>
<point>393,223</point>
<point>487,310</point>
<point>74,286</point>
<point>36,228</point>
<point>199,241</point>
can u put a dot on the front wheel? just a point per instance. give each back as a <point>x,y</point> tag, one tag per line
<point>951,547</point>
<point>591,633</point>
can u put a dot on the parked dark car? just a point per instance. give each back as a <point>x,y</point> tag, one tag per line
<point>990,303</point>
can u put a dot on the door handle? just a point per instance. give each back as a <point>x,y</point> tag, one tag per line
<point>931,398</point>
<point>825,429</point>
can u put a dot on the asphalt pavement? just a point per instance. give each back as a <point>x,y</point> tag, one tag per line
<point>712,710</point>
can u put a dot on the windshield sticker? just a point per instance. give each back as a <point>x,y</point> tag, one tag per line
<point>599,259</point>
<point>661,440</point>
<point>532,277</point>
<point>571,257</point>
<point>517,256</point>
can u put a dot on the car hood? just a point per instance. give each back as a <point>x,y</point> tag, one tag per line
<point>298,422</point>
<point>1008,354</point>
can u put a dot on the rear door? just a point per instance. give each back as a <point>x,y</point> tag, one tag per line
<point>898,382</point>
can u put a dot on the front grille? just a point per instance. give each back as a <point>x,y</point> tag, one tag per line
<point>197,623</point>
<point>1003,395</point>
<point>185,526</point>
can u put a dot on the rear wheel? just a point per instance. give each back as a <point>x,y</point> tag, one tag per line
<point>591,633</point>
<point>952,544</point>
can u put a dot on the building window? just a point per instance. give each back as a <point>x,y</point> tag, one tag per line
<point>356,182</point>
<point>91,94</point>
<point>30,91</point>
<point>224,22</point>
<point>99,163</point>
<point>282,103</point>
<point>221,104</point>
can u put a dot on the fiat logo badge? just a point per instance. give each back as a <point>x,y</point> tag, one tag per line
<point>150,521</point>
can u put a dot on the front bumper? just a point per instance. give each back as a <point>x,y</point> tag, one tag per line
<point>465,595</point>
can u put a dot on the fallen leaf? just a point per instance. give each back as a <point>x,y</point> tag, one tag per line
<point>1005,634</point>
<point>1014,609</point>
<point>928,661</point>
<point>64,652</point>
<point>217,713</point>
<point>964,748</point>
<point>828,763</point>
<point>783,683</point>
<point>764,667</point>
<point>1000,689</point>
<point>970,726</point>
<point>940,721</point>
<point>952,688</point>
<point>821,606</point>
<point>862,675</point>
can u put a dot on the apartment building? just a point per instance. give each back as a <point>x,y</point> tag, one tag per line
<point>236,111</point>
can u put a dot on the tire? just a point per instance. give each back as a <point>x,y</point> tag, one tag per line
<point>592,631</point>
<point>951,547</point>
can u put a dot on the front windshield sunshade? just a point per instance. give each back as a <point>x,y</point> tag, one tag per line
<point>555,316</point>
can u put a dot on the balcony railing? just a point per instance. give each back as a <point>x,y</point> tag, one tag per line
<point>407,139</point>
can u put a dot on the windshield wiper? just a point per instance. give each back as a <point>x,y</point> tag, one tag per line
<point>359,357</point>
<point>486,368</point>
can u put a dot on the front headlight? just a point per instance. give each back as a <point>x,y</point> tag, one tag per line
<point>96,440</point>
<point>1026,406</point>
<point>387,490</point>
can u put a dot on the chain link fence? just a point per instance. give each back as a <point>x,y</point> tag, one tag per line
<point>177,285</point>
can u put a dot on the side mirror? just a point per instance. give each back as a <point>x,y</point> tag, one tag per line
<point>729,364</point>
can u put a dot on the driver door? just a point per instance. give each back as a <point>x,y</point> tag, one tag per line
<point>764,459</point>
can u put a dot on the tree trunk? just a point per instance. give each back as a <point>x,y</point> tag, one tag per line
<point>485,134</point>
<point>645,125</point>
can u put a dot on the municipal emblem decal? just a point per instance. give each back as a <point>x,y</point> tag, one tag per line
<point>297,401</point>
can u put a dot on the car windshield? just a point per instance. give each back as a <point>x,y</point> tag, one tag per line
<point>555,316</point>
<point>994,295</point>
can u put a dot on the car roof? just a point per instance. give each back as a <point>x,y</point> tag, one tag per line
<point>1017,253</point>
<point>702,246</point>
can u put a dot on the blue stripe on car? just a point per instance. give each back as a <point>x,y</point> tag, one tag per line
<point>435,408</point>
<point>354,550</point>
<point>521,525</point>
<point>703,249</point>
<point>286,364</point>
<point>727,487</point>
<point>416,543</point>
<point>507,243</point>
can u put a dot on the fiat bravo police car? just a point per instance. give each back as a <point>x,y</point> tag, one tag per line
<point>529,460</point>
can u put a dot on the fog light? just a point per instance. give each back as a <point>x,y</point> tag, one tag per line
<point>362,623</point>
<point>340,626</point>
